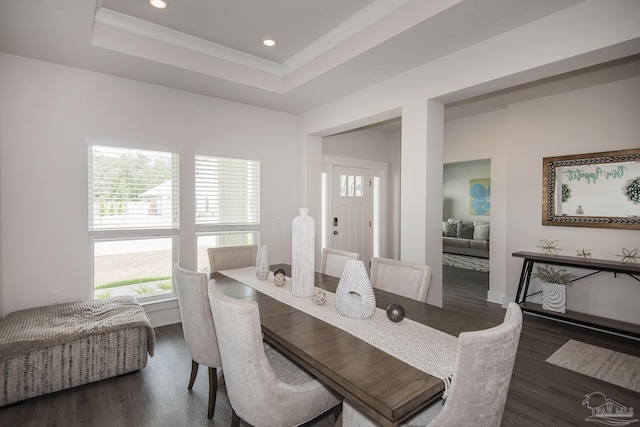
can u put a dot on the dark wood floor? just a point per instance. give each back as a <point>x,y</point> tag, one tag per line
<point>540,395</point>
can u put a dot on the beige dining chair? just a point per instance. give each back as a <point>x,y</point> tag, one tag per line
<point>334,260</point>
<point>261,392</point>
<point>402,278</point>
<point>230,257</point>
<point>197,325</point>
<point>481,377</point>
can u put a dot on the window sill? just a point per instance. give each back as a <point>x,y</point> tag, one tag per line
<point>160,304</point>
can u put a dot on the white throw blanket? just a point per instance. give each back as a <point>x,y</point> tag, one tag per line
<point>418,345</point>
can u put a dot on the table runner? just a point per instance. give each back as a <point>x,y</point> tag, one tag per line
<point>418,345</point>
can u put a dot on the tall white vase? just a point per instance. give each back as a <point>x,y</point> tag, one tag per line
<point>262,263</point>
<point>303,254</point>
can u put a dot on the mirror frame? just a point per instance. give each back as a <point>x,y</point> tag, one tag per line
<point>549,165</point>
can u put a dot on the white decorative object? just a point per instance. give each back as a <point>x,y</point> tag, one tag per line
<point>585,254</point>
<point>262,263</point>
<point>303,255</point>
<point>629,256</point>
<point>354,296</point>
<point>549,247</point>
<point>554,297</point>
<point>319,297</point>
<point>279,277</point>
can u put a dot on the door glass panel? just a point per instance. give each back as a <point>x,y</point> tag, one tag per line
<point>358,186</point>
<point>350,186</point>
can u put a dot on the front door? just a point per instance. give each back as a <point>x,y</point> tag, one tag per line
<point>350,218</point>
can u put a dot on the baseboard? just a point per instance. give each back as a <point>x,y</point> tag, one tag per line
<point>495,297</point>
<point>163,313</point>
<point>164,317</point>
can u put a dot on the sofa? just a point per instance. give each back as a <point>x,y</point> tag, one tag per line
<point>465,237</point>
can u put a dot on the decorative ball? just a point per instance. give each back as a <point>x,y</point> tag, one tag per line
<point>279,277</point>
<point>395,312</point>
<point>319,297</point>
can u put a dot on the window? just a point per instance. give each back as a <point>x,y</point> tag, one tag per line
<point>350,186</point>
<point>133,221</point>
<point>376,214</point>
<point>227,204</point>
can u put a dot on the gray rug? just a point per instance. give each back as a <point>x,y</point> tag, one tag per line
<point>607,365</point>
<point>466,262</point>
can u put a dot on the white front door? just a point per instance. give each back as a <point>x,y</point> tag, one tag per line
<point>350,217</point>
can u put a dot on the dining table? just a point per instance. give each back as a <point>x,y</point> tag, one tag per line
<point>378,384</point>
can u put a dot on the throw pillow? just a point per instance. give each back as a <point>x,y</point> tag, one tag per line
<point>449,230</point>
<point>464,230</point>
<point>481,232</point>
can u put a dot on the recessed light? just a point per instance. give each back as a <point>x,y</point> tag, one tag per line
<point>158,4</point>
<point>269,42</point>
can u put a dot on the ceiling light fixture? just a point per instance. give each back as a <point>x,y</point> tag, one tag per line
<point>269,42</point>
<point>158,4</point>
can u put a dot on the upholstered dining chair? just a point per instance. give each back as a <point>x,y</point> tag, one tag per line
<point>261,392</point>
<point>334,260</point>
<point>230,257</point>
<point>197,325</point>
<point>402,278</point>
<point>481,377</point>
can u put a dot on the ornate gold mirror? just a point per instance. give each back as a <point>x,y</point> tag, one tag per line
<point>592,190</point>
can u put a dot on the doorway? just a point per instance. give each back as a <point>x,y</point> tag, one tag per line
<point>353,206</point>
<point>350,218</point>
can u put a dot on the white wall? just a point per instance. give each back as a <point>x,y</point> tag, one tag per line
<point>393,197</point>
<point>378,147</point>
<point>359,144</point>
<point>455,188</point>
<point>47,111</point>
<point>598,118</point>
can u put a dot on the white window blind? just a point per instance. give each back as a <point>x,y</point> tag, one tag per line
<point>227,193</point>
<point>132,189</point>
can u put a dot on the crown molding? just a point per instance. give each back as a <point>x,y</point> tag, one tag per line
<point>140,27</point>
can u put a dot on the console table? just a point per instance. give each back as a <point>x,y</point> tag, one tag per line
<point>581,319</point>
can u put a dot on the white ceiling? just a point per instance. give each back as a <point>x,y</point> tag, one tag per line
<point>242,24</point>
<point>327,49</point>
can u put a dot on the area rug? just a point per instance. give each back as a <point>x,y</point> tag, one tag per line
<point>466,262</point>
<point>607,365</point>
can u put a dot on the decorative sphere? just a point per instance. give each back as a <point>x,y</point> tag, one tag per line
<point>319,297</point>
<point>395,312</point>
<point>279,278</point>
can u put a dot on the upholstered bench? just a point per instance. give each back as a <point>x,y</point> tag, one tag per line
<point>56,347</point>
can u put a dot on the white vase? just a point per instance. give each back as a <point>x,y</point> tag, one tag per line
<point>262,263</point>
<point>354,295</point>
<point>554,297</point>
<point>303,254</point>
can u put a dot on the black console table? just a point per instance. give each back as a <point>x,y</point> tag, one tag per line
<point>601,323</point>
